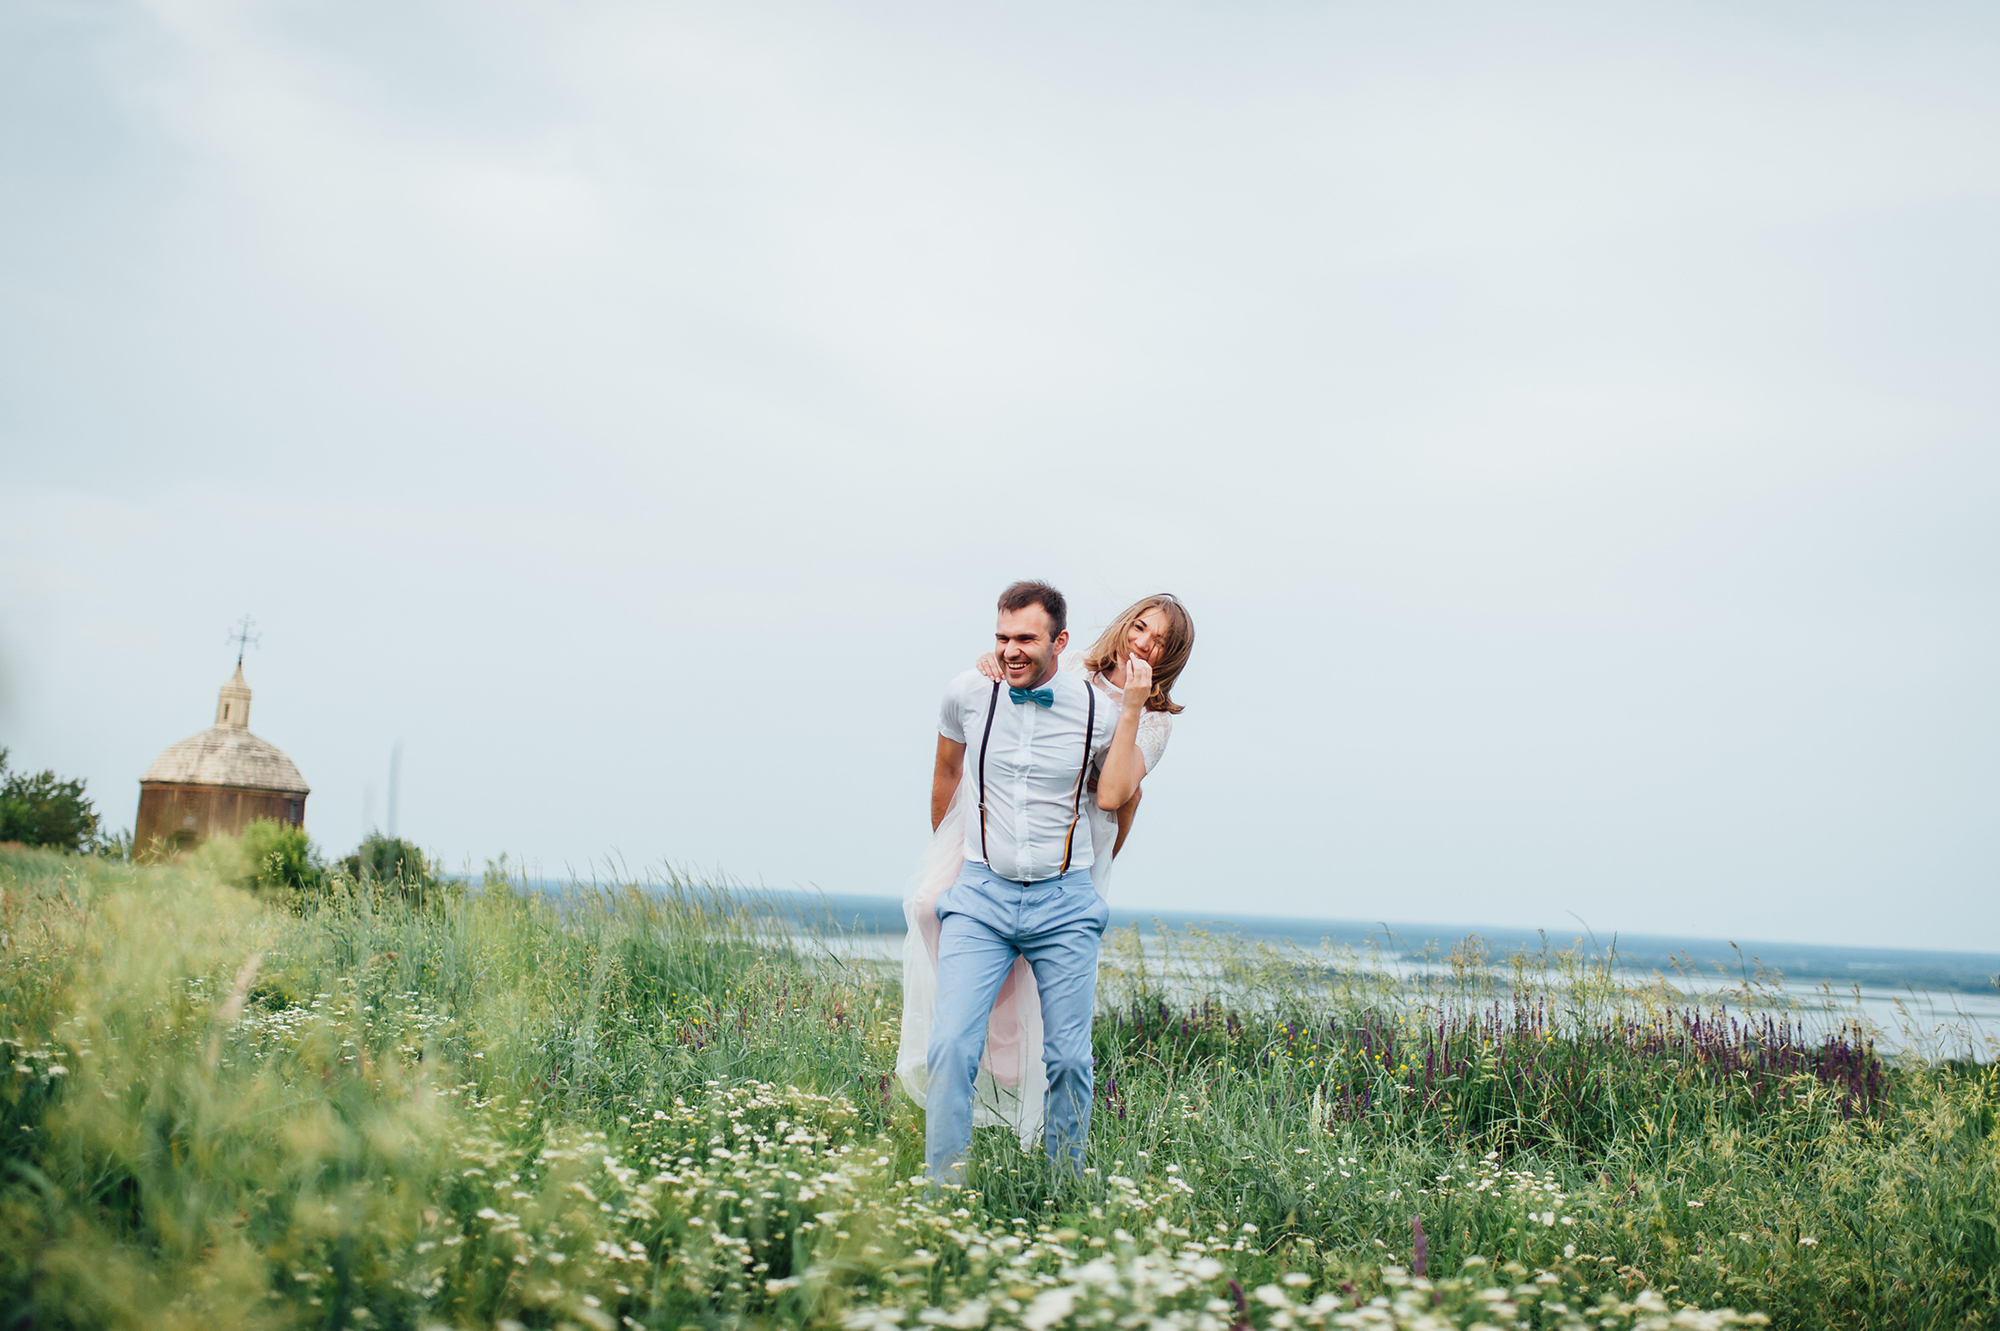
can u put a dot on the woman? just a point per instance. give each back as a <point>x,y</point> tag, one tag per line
<point>1012,1083</point>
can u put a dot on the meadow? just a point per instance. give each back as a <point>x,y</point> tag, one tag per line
<point>484,1106</point>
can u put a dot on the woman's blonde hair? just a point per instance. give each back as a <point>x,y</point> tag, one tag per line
<point>1176,644</point>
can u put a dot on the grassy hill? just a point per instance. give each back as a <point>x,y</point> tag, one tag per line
<point>614,1108</point>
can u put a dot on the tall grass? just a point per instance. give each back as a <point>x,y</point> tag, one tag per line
<point>648,1107</point>
<point>1550,1111</point>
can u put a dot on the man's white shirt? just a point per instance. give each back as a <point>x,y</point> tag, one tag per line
<point>1033,756</point>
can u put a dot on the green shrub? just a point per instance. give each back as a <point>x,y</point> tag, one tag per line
<point>392,863</point>
<point>41,809</point>
<point>282,857</point>
<point>113,845</point>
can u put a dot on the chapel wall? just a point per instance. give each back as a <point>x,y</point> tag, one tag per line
<point>175,817</point>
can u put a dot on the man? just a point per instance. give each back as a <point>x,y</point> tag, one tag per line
<point>1036,739</point>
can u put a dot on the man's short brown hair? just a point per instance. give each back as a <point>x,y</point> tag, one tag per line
<point>1024,594</point>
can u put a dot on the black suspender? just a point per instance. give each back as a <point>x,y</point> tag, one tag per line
<point>991,707</point>
<point>1076,800</point>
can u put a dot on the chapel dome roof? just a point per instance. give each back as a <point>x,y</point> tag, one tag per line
<point>227,754</point>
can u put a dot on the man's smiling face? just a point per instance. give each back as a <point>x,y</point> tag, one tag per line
<point>1027,652</point>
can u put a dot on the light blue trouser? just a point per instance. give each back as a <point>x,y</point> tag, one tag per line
<point>985,921</point>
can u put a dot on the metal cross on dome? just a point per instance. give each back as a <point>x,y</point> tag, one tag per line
<point>244,635</point>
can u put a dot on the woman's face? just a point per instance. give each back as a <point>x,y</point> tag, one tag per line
<point>1148,636</point>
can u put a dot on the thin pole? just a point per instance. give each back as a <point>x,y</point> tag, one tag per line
<point>395,769</point>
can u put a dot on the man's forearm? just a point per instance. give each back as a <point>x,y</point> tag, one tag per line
<point>943,787</point>
<point>1126,812</point>
<point>944,777</point>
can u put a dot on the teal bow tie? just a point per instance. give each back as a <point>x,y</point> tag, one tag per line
<point>1039,697</point>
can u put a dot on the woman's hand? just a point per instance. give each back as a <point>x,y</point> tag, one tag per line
<point>1124,768</point>
<point>989,666</point>
<point>1138,682</point>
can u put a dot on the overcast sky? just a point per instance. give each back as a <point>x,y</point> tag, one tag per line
<point>1573,429</point>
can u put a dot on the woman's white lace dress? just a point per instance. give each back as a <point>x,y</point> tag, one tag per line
<point>1012,1083</point>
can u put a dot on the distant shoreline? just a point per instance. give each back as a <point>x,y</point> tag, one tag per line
<point>1801,964</point>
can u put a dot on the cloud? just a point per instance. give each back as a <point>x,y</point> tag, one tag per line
<point>1568,425</point>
